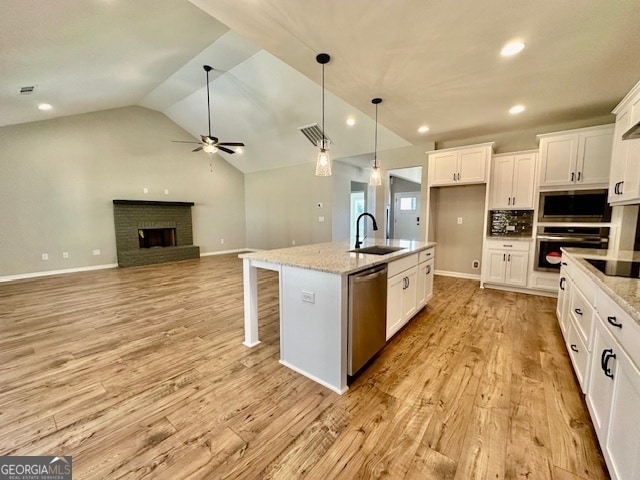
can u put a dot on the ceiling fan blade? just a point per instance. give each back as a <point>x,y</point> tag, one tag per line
<point>224,149</point>
<point>208,139</point>
<point>182,141</point>
<point>197,149</point>
<point>232,144</point>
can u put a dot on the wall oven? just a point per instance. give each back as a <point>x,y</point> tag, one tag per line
<point>574,206</point>
<point>550,238</point>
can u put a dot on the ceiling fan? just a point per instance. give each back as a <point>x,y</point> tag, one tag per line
<point>211,144</point>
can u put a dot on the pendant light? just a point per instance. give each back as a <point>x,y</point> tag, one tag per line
<point>323,163</point>
<point>375,179</point>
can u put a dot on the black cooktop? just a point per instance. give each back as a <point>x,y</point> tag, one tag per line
<point>617,268</point>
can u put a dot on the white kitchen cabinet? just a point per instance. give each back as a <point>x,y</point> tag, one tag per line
<point>459,166</point>
<point>564,294</point>
<point>506,262</point>
<point>576,158</point>
<point>624,184</point>
<point>512,181</point>
<point>425,282</point>
<point>600,392</point>
<point>402,293</point>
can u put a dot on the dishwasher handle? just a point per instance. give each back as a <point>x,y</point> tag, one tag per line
<point>370,274</point>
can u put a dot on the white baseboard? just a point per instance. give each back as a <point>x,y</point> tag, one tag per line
<point>529,291</point>
<point>314,378</point>
<point>22,276</point>
<point>468,276</point>
<point>223,252</point>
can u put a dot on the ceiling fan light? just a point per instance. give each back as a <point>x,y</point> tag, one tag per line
<point>323,163</point>
<point>375,178</point>
<point>210,149</point>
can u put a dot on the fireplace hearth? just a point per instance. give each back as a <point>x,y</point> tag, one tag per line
<point>149,232</point>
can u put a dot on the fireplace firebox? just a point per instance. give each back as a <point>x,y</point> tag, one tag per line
<point>157,237</point>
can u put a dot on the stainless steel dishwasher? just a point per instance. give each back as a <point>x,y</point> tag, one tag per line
<point>367,316</point>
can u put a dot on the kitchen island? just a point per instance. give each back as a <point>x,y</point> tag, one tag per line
<point>314,299</point>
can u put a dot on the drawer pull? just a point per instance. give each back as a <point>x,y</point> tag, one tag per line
<point>562,280</point>
<point>564,264</point>
<point>607,355</point>
<point>574,347</point>
<point>612,321</point>
<point>578,311</point>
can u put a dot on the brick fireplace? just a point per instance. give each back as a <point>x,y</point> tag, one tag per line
<point>149,232</point>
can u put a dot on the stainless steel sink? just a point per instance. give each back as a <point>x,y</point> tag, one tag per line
<point>377,250</point>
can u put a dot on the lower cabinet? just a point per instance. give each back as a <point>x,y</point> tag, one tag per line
<point>506,262</point>
<point>409,288</point>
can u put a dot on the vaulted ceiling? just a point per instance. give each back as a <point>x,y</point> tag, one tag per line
<point>433,63</point>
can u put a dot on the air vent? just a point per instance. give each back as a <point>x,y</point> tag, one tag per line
<point>26,90</point>
<point>313,133</point>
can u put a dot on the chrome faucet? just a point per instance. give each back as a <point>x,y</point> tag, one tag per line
<point>375,227</point>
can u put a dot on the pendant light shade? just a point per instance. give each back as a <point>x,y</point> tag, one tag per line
<point>375,178</point>
<point>323,162</point>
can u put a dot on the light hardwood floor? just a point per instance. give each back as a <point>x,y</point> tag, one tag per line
<point>140,373</point>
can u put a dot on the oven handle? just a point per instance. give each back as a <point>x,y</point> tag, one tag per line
<point>573,239</point>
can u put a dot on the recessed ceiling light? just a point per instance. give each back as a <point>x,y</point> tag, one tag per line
<point>516,109</point>
<point>44,107</point>
<point>423,129</point>
<point>239,150</point>
<point>351,121</point>
<point>511,49</point>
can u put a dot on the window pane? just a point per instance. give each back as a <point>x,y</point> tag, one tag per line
<point>408,203</point>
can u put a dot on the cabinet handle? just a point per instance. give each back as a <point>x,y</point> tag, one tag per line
<point>562,283</point>
<point>621,189</point>
<point>504,257</point>
<point>578,311</point>
<point>578,179</point>
<point>564,264</point>
<point>454,177</point>
<point>508,200</point>
<point>615,189</point>
<point>607,355</point>
<point>612,321</point>
<point>507,245</point>
<point>508,257</point>
<point>574,347</point>
<point>513,200</point>
<point>428,269</point>
<point>573,176</point>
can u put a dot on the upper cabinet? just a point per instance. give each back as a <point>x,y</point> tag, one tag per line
<point>624,184</point>
<point>576,158</point>
<point>459,166</point>
<point>512,181</point>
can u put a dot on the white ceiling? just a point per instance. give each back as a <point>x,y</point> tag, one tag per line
<point>432,64</point>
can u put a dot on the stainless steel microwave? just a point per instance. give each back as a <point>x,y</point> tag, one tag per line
<point>574,206</point>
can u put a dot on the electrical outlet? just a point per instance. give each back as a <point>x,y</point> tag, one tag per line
<point>221,240</point>
<point>166,191</point>
<point>65,254</point>
<point>145,190</point>
<point>308,297</point>
<point>45,256</point>
<point>475,264</point>
<point>459,220</point>
<point>97,251</point>
<point>321,219</point>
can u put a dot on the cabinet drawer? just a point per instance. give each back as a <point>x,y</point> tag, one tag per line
<point>517,245</point>
<point>579,356</point>
<point>581,312</point>
<point>399,266</point>
<point>582,281</point>
<point>425,255</point>
<point>621,325</point>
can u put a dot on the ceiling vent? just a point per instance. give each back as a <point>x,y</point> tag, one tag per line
<point>26,90</point>
<point>313,133</point>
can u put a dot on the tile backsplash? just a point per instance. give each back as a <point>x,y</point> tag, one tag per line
<point>510,223</point>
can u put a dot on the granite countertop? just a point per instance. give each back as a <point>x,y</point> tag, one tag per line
<point>336,257</point>
<point>624,291</point>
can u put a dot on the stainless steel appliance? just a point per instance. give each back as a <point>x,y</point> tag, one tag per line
<point>550,238</point>
<point>574,206</point>
<point>367,316</point>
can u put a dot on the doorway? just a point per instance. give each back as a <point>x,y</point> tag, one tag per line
<point>404,203</point>
<point>357,206</point>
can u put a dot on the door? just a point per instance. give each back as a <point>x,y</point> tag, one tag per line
<point>406,216</point>
<point>619,157</point>
<point>409,293</point>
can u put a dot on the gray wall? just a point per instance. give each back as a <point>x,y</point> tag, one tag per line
<point>58,179</point>
<point>458,245</point>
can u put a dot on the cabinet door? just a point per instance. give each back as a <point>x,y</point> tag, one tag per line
<point>601,377</point>
<point>594,157</point>
<point>429,281</point>
<point>395,287</point>
<point>558,160</point>
<point>496,266</point>
<point>502,182</point>
<point>523,180</point>
<point>620,152</point>
<point>443,168</point>
<point>472,165</point>
<point>622,446</point>
<point>516,269</point>
<point>421,294</point>
<point>410,294</point>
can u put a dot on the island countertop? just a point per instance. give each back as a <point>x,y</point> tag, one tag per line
<point>624,291</point>
<point>336,257</point>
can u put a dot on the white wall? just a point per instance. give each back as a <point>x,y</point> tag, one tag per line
<point>58,179</point>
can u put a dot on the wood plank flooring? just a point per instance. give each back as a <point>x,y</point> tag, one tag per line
<point>140,373</point>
